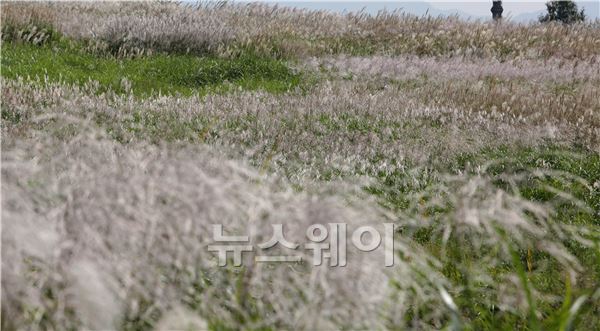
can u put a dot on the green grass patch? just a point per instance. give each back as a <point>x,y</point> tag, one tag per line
<point>66,62</point>
<point>544,172</point>
<point>575,171</point>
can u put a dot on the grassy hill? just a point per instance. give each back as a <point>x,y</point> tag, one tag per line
<point>130,129</point>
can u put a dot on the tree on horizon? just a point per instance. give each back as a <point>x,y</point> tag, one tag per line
<point>565,11</point>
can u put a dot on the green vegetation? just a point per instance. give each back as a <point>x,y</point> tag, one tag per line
<point>547,171</point>
<point>492,205</point>
<point>66,62</point>
<point>564,11</point>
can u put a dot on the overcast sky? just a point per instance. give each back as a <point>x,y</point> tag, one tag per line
<point>477,8</point>
<point>482,8</point>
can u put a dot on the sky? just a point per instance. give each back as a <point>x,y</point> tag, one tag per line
<point>517,10</point>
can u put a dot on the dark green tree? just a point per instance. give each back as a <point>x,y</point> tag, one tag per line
<point>563,11</point>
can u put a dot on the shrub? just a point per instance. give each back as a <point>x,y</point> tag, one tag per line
<point>563,11</point>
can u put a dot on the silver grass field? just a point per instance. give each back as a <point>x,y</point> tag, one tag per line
<point>478,141</point>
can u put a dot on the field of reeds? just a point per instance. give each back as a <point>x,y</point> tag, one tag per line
<point>130,129</point>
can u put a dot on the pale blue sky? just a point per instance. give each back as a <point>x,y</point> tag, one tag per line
<point>518,10</point>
